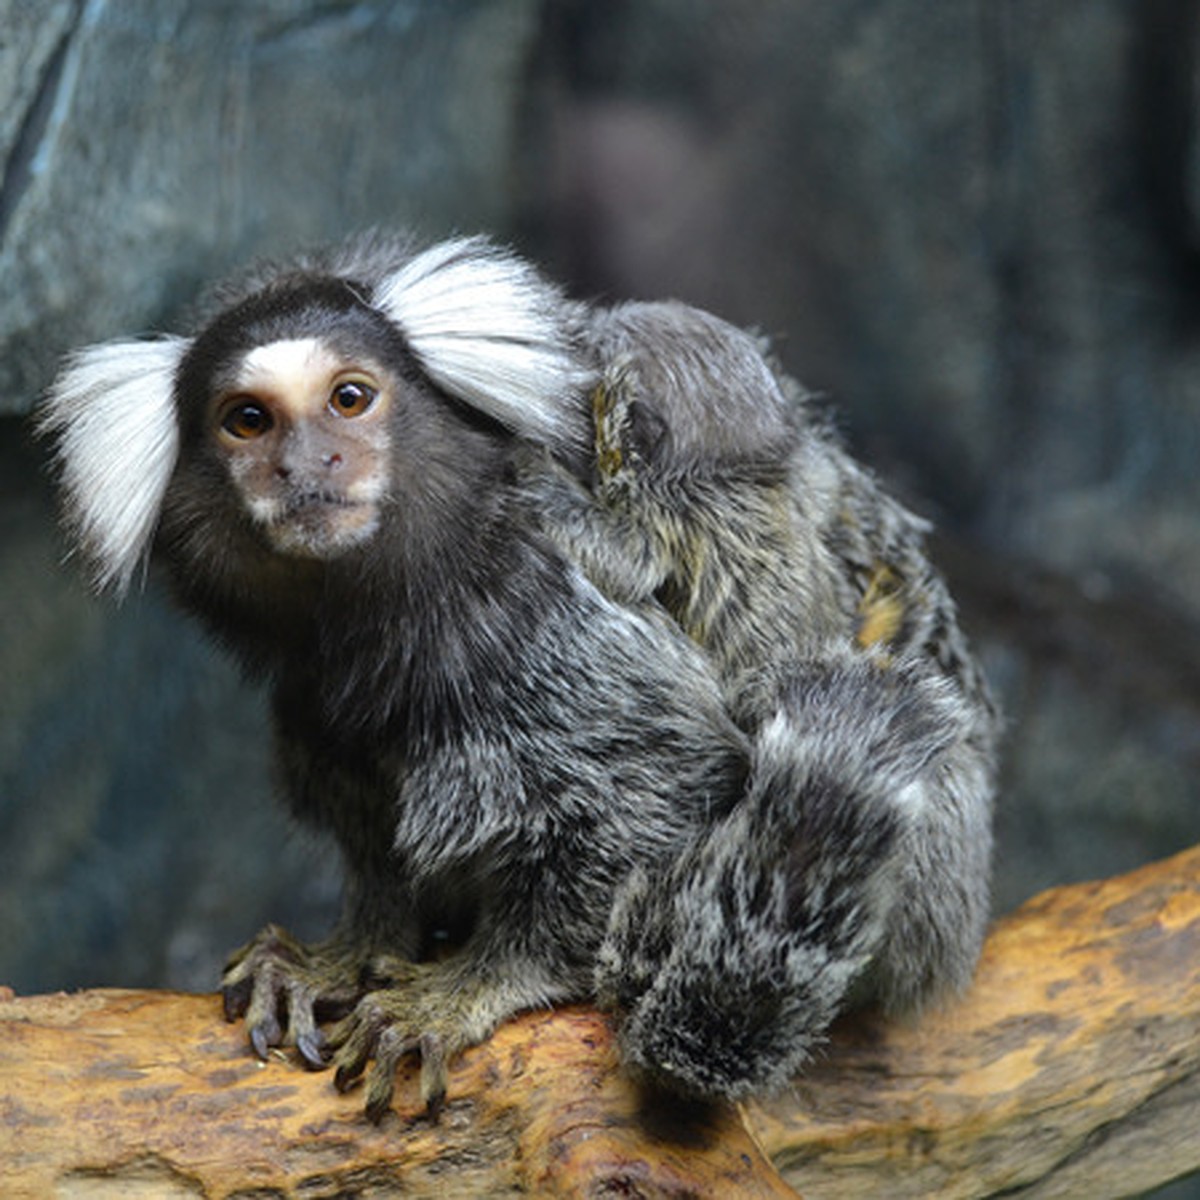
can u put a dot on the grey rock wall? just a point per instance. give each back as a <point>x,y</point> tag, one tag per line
<point>147,146</point>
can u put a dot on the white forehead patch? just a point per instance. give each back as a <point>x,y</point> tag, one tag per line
<point>286,364</point>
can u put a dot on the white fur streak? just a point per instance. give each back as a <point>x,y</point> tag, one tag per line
<point>113,414</point>
<point>487,328</point>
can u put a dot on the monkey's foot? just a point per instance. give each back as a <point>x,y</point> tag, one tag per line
<point>433,1014</point>
<point>283,988</point>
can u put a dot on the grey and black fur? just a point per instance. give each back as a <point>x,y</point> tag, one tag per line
<point>635,688</point>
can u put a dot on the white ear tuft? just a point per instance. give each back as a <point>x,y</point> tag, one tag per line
<point>112,413</point>
<point>487,328</point>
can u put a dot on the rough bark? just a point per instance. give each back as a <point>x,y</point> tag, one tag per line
<point>1072,1067</point>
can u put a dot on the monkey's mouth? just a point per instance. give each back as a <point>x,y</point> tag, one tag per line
<point>299,503</point>
<point>319,524</point>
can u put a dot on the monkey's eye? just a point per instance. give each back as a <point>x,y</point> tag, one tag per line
<point>247,420</point>
<point>352,399</point>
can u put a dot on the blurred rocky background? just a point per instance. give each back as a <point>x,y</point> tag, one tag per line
<point>975,225</point>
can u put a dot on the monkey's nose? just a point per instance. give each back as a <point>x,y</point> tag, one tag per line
<point>330,462</point>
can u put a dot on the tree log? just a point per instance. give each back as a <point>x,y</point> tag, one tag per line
<point>1071,1068</point>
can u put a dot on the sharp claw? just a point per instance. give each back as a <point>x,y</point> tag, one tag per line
<point>378,1107</point>
<point>258,1039</point>
<point>264,1035</point>
<point>345,1077</point>
<point>433,1074</point>
<point>380,1089</point>
<point>350,1067</point>
<point>313,1049</point>
<point>434,1103</point>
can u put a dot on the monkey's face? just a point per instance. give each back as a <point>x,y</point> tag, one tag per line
<point>304,432</point>
<point>325,408</point>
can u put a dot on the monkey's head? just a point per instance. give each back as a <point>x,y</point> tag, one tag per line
<point>303,407</point>
<point>292,400</point>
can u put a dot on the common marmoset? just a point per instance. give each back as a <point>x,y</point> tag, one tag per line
<point>612,675</point>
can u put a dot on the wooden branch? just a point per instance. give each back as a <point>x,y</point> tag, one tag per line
<point>153,1090</point>
<point>1071,1068</point>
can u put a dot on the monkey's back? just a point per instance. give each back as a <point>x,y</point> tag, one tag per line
<point>724,493</point>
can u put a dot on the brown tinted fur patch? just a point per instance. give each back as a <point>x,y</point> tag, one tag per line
<point>881,610</point>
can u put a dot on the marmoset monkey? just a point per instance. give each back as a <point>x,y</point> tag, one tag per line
<point>611,674</point>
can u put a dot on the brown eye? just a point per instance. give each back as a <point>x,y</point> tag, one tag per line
<point>247,420</point>
<point>352,399</point>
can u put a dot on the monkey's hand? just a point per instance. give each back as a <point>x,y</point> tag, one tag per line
<point>284,988</point>
<point>434,1010</point>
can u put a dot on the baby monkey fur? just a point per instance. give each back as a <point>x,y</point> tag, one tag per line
<point>611,674</point>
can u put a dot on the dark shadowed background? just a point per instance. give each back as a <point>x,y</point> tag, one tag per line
<point>975,224</point>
